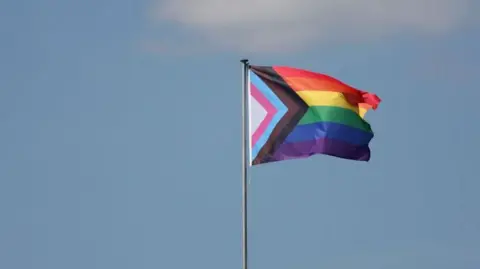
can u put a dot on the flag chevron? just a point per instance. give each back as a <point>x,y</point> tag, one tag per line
<point>296,113</point>
<point>291,109</point>
<point>275,110</point>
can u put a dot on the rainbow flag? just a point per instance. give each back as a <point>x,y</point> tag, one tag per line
<point>295,113</point>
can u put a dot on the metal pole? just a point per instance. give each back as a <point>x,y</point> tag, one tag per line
<point>244,161</point>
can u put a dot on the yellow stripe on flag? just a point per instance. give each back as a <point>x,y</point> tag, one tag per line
<point>327,98</point>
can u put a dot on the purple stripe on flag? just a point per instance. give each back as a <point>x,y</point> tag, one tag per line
<point>321,146</point>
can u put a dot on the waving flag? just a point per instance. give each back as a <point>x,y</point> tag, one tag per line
<point>295,113</point>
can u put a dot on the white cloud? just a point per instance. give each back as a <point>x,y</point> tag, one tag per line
<point>290,24</point>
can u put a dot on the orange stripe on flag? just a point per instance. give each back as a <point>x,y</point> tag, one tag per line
<point>315,84</point>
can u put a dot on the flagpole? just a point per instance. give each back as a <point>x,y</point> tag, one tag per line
<point>245,67</point>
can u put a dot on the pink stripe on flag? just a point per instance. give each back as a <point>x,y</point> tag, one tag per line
<point>262,100</point>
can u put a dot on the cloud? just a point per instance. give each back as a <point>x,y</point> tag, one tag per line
<point>266,25</point>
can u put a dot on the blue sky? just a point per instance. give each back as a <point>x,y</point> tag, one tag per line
<point>121,136</point>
